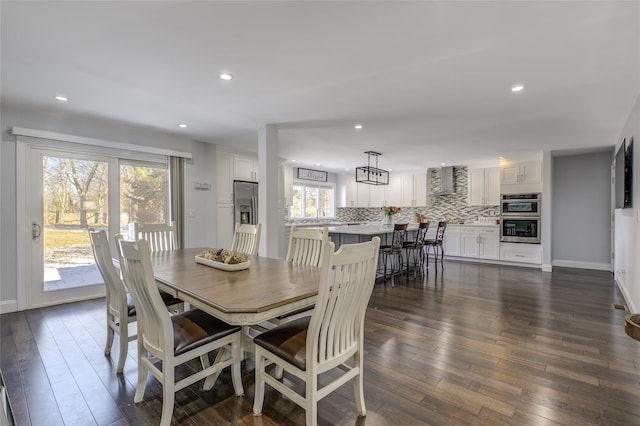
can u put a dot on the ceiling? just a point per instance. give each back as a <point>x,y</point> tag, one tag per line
<point>429,81</point>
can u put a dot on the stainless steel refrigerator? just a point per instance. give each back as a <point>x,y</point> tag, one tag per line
<point>245,202</point>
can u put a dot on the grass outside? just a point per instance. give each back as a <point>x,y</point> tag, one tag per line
<point>57,238</point>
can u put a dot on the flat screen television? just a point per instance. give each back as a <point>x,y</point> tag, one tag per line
<point>624,175</point>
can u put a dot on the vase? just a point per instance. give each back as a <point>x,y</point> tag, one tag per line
<point>389,220</point>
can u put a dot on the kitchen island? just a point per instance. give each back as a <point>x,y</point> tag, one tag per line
<point>351,234</point>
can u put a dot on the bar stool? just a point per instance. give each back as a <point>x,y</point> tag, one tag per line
<point>394,251</point>
<point>436,243</point>
<point>416,248</point>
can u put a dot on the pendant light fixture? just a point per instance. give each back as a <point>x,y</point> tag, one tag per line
<point>372,175</point>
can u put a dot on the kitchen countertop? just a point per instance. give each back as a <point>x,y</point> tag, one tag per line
<point>373,227</point>
<point>367,229</point>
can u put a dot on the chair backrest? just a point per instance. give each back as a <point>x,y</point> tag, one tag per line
<point>306,245</point>
<point>399,235</point>
<point>336,328</point>
<point>246,238</point>
<point>161,236</point>
<point>421,234</point>
<point>440,231</point>
<point>154,322</point>
<point>116,290</point>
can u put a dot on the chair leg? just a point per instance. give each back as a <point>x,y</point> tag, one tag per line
<point>358,385</point>
<point>168,394</point>
<point>258,397</point>
<point>142,374</point>
<point>110,333</point>
<point>311,400</point>
<point>124,344</point>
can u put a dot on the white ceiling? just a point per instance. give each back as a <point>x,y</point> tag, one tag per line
<point>429,81</point>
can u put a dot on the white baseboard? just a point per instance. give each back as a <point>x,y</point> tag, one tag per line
<point>582,265</point>
<point>547,268</point>
<point>625,294</point>
<point>7,306</point>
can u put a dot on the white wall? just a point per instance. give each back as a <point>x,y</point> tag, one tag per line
<point>627,223</point>
<point>199,231</point>
<point>581,210</point>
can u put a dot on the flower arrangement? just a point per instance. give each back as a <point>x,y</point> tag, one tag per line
<point>391,210</point>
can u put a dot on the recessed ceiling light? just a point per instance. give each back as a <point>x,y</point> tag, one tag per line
<point>358,126</point>
<point>62,98</point>
<point>293,161</point>
<point>346,170</point>
<point>443,164</point>
<point>517,88</point>
<point>318,164</point>
<point>184,126</point>
<point>225,76</point>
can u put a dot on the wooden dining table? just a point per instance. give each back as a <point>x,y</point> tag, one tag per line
<point>267,289</point>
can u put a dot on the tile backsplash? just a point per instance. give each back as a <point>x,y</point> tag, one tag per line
<point>450,207</point>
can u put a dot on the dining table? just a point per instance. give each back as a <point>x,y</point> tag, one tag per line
<point>265,290</point>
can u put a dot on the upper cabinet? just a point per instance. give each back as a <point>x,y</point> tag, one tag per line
<point>521,177</point>
<point>245,168</point>
<point>394,191</point>
<point>224,175</point>
<point>484,187</point>
<point>403,191</point>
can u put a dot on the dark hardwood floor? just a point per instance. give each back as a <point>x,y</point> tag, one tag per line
<point>474,344</point>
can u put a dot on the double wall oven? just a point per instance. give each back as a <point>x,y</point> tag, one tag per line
<point>520,218</point>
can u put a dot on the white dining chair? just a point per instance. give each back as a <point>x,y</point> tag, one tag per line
<point>306,247</point>
<point>246,238</point>
<point>166,342</point>
<point>120,307</point>
<point>328,339</point>
<point>161,236</point>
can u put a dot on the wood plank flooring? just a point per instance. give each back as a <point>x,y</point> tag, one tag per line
<point>473,344</point>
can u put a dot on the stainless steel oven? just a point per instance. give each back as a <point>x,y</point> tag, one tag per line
<point>520,205</point>
<point>520,229</point>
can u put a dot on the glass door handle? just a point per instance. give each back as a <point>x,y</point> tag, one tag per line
<point>36,231</point>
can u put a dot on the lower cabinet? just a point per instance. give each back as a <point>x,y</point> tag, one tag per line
<point>451,243</point>
<point>480,242</point>
<point>518,252</point>
<point>224,226</point>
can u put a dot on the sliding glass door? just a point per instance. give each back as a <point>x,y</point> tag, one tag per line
<point>69,192</point>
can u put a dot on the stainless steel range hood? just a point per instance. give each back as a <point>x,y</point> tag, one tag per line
<point>446,181</point>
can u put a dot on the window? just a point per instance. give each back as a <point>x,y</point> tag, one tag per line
<point>144,193</point>
<point>312,200</point>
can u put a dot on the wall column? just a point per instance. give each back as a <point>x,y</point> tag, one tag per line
<point>268,191</point>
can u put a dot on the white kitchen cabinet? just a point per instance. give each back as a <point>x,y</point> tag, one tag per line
<point>351,194</point>
<point>363,195</point>
<point>224,226</point>
<point>521,252</point>
<point>245,168</point>
<point>376,195</point>
<point>408,194</point>
<point>451,243</point>
<point>394,192</point>
<point>484,187</point>
<point>224,177</point>
<point>521,173</point>
<point>420,189</point>
<point>480,242</point>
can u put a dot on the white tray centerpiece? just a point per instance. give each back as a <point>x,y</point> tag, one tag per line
<point>224,259</point>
